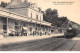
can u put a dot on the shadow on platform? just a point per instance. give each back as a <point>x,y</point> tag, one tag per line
<point>59,37</point>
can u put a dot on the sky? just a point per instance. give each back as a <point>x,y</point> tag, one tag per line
<point>70,10</point>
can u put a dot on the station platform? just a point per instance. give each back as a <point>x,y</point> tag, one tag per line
<point>15,39</point>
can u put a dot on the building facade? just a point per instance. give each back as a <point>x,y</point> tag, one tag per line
<point>24,16</point>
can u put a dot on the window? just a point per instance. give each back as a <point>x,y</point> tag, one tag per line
<point>16,23</point>
<point>4,24</point>
<point>30,29</point>
<point>4,21</point>
<point>31,15</point>
<point>37,17</point>
<point>24,24</point>
<point>4,27</point>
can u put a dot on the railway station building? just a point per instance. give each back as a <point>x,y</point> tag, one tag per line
<point>20,16</point>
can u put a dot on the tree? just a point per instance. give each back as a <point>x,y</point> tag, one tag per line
<point>63,19</point>
<point>54,13</point>
<point>52,17</point>
<point>48,11</point>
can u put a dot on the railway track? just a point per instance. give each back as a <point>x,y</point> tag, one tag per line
<point>38,45</point>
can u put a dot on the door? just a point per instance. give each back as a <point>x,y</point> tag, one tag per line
<point>4,26</point>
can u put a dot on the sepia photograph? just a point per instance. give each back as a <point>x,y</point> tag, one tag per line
<point>39,25</point>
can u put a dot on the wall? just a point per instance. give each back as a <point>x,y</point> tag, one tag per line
<point>21,11</point>
<point>34,13</point>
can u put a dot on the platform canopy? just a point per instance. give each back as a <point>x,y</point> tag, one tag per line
<point>12,15</point>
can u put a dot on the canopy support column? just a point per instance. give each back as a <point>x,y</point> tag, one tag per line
<point>7,27</point>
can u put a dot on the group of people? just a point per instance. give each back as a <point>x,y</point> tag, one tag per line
<point>25,32</point>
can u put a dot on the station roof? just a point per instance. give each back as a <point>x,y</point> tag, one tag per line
<point>17,4</point>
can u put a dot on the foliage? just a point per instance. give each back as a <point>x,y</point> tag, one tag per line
<point>52,17</point>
